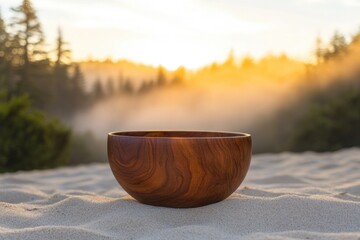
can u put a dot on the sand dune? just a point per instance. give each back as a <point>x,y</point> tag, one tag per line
<point>285,196</point>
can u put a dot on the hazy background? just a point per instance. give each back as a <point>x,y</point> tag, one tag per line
<point>72,71</point>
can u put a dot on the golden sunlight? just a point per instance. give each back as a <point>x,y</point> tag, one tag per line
<point>189,33</point>
<point>172,99</point>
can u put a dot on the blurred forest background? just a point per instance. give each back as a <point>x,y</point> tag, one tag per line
<point>55,112</point>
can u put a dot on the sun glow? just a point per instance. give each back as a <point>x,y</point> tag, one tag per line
<point>190,33</point>
<point>171,35</point>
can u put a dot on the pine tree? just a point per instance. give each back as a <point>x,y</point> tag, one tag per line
<point>319,51</point>
<point>338,43</point>
<point>98,91</point>
<point>120,82</point>
<point>247,62</point>
<point>4,40</point>
<point>179,75</point>
<point>78,94</point>
<point>146,86</point>
<point>5,59</point>
<point>31,63</point>
<point>161,79</point>
<point>62,52</point>
<point>128,87</point>
<point>63,101</point>
<point>230,61</point>
<point>337,46</point>
<point>110,89</point>
<point>29,34</point>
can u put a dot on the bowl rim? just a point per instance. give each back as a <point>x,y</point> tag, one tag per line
<point>227,134</point>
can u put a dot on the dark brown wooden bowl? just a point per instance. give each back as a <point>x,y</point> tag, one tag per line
<point>179,168</point>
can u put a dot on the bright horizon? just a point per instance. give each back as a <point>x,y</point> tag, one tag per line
<point>191,33</point>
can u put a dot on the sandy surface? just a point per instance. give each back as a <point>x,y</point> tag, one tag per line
<point>285,196</point>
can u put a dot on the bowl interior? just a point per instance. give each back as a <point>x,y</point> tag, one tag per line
<point>180,134</point>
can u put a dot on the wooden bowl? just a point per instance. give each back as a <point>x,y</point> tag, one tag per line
<point>179,168</point>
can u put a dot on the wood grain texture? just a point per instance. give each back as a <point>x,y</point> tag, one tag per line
<point>179,169</point>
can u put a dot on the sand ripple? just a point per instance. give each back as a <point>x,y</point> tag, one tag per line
<point>285,196</point>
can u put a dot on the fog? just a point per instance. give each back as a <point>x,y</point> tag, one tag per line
<point>232,99</point>
<point>231,96</point>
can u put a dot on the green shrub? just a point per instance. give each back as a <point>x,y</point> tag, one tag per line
<point>29,140</point>
<point>331,124</point>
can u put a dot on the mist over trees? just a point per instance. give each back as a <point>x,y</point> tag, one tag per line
<point>327,116</point>
<point>42,90</point>
<point>332,118</point>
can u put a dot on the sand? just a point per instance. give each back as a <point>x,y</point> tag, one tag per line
<point>285,196</point>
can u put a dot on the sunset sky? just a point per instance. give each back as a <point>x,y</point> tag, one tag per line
<point>191,32</point>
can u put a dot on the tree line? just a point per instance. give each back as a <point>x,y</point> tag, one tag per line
<point>125,85</point>
<point>54,86</point>
<point>37,85</point>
